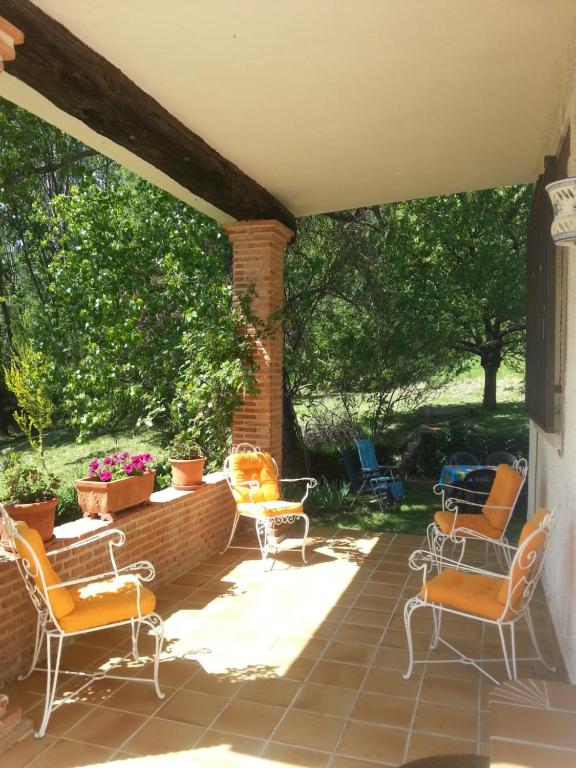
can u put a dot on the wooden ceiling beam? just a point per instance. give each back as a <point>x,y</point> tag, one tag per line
<point>87,86</point>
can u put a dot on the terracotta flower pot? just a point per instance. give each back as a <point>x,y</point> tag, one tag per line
<point>187,473</point>
<point>98,499</point>
<point>39,515</point>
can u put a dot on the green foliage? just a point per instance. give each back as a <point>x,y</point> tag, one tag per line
<point>185,446</point>
<point>26,378</point>
<point>153,337</point>
<point>25,483</point>
<point>329,496</point>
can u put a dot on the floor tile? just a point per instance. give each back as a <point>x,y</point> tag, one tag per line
<point>306,729</point>
<point>340,675</point>
<point>325,700</point>
<point>509,753</point>
<point>356,633</point>
<point>425,745</point>
<point>450,692</point>
<point>105,727</point>
<point>137,698</point>
<point>159,736</point>
<point>384,709</point>
<point>392,683</point>
<point>240,744</point>
<point>70,754</point>
<point>349,653</point>
<point>248,719</point>
<point>192,707</point>
<point>456,722</point>
<point>289,755</point>
<point>275,691</point>
<point>373,742</point>
<point>61,719</point>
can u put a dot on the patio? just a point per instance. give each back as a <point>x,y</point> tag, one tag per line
<point>297,665</point>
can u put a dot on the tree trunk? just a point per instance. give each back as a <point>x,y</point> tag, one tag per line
<point>490,361</point>
<point>295,458</point>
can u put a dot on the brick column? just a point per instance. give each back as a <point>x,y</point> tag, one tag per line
<point>259,248</point>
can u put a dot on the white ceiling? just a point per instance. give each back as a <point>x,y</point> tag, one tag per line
<point>333,104</point>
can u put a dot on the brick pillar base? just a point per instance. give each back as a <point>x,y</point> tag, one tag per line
<point>259,248</point>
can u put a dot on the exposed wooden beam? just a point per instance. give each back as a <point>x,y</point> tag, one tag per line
<point>84,84</point>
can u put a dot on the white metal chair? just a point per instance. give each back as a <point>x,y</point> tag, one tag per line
<point>80,606</point>
<point>481,595</point>
<point>253,479</point>
<point>495,506</point>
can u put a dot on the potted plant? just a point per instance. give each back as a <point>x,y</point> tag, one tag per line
<point>187,462</point>
<point>30,488</point>
<point>115,482</point>
<point>31,494</point>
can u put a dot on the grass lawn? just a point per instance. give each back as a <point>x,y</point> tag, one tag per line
<point>69,459</point>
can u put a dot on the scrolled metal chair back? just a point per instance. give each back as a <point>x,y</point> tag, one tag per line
<point>29,567</point>
<point>527,565</point>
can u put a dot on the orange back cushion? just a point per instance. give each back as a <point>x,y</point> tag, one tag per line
<point>525,559</point>
<point>254,466</point>
<point>60,599</point>
<point>503,494</point>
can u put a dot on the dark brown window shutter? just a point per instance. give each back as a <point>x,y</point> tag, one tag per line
<point>544,305</point>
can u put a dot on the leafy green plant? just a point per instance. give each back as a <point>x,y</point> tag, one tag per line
<point>25,483</point>
<point>329,496</point>
<point>26,378</point>
<point>185,447</point>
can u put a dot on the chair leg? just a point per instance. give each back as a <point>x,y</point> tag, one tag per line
<point>264,536</point>
<point>135,630</point>
<point>305,539</point>
<point>505,651</point>
<point>437,616</point>
<point>40,629</point>
<point>51,682</point>
<point>158,629</point>
<point>513,649</point>
<point>232,532</point>
<point>409,609</point>
<point>462,550</point>
<point>535,643</point>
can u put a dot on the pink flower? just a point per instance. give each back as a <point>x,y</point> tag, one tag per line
<point>94,464</point>
<point>108,460</point>
<point>106,476</point>
<point>128,468</point>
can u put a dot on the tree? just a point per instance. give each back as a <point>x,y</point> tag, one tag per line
<point>383,304</point>
<point>475,244</point>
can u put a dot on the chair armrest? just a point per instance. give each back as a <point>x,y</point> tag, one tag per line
<point>439,487</point>
<point>426,561</point>
<point>120,539</point>
<point>311,482</point>
<point>143,571</point>
<point>452,505</point>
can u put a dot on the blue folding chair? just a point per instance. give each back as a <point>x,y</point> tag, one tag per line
<point>380,479</point>
<point>361,485</point>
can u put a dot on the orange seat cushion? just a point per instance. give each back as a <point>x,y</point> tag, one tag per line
<point>468,592</point>
<point>477,523</point>
<point>107,601</point>
<point>60,599</point>
<point>254,466</point>
<point>525,560</point>
<point>270,508</point>
<point>503,494</point>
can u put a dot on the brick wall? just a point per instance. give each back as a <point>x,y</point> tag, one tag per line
<point>175,530</point>
<point>259,261</point>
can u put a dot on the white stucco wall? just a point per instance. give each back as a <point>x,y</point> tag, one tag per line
<point>552,477</point>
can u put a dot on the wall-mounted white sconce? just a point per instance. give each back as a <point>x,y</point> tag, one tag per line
<point>562,193</point>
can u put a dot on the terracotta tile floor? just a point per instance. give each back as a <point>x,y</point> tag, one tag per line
<point>297,665</point>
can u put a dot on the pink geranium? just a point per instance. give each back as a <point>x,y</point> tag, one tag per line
<point>118,465</point>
